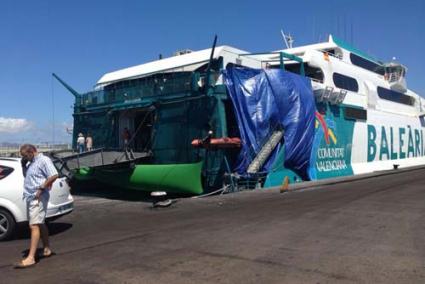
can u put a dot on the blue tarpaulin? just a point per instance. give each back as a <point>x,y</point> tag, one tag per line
<point>264,100</point>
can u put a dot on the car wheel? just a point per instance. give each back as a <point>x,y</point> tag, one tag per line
<point>7,225</point>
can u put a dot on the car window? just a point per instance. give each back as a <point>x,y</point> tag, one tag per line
<point>5,171</point>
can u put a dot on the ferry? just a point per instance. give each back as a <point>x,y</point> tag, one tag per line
<point>225,118</point>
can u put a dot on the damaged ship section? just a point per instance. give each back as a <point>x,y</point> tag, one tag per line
<point>194,128</point>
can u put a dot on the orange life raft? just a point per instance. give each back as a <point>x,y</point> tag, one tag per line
<point>217,143</point>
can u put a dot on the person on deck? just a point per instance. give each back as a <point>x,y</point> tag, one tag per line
<point>126,136</point>
<point>89,142</point>
<point>81,141</point>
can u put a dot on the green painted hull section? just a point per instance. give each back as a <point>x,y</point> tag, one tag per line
<point>173,178</point>
<point>84,174</point>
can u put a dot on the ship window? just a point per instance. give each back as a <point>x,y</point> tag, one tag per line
<point>366,64</point>
<point>345,82</point>
<point>355,113</point>
<point>422,120</point>
<point>311,72</point>
<point>396,97</point>
<point>330,51</point>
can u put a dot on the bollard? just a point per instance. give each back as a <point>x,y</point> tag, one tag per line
<point>285,185</point>
<point>160,199</point>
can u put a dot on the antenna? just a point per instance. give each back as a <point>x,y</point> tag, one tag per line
<point>53,111</point>
<point>287,39</point>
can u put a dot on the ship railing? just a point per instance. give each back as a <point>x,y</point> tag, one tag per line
<point>329,94</point>
<point>327,53</point>
<point>282,57</point>
<point>142,88</point>
<point>315,80</point>
<point>13,151</point>
<point>393,77</point>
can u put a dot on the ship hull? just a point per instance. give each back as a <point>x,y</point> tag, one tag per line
<point>172,178</point>
<point>383,141</point>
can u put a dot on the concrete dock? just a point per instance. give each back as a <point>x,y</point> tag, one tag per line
<point>370,230</point>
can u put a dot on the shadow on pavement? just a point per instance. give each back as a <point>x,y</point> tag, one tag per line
<point>55,228</point>
<point>39,254</point>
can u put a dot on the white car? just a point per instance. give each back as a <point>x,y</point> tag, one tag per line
<point>13,208</point>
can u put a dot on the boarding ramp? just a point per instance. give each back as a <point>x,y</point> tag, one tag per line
<point>265,152</point>
<point>67,161</point>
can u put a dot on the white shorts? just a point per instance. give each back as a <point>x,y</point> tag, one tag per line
<point>37,211</point>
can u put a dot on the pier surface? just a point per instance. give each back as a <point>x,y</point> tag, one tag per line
<point>365,231</point>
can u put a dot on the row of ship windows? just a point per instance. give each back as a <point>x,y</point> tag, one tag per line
<point>366,64</point>
<point>361,114</point>
<point>350,84</point>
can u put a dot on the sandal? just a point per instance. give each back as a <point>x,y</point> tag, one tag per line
<point>22,265</point>
<point>48,255</point>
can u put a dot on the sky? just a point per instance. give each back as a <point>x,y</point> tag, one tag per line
<point>82,40</point>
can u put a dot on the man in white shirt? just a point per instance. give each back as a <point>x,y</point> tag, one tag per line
<point>40,173</point>
<point>80,143</point>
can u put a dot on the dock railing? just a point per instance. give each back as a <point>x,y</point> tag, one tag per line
<point>13,151</point>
